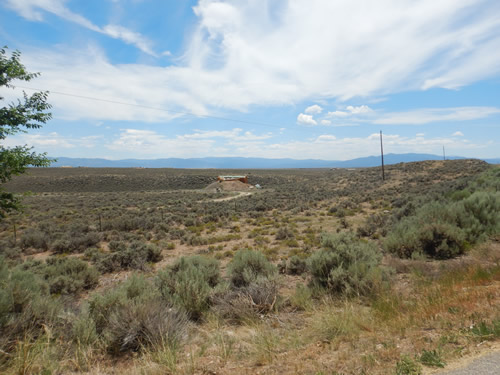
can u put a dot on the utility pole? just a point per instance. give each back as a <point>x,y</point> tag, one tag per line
<point>444,155</point>
<point>382,153</point>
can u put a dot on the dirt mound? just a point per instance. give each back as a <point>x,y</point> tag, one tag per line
<point>229,186</point>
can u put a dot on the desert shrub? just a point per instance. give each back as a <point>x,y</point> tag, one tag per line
<point>138,254</point>
<point>25,306</point>
<point>75,242</point>
<point>188,284</point>
<point>83,330</point>
<point>346,265</point>
<point>487,181</point>
<point>101,305</point>
<point>284,233</point>
<point>152,324</point>
<point>438,240</point>
<point>373,224</point>
<point>407,366</point>
<point>135,256</point>
<point>480,215</point>
<point>301,299</point>
<point>69,275</point>
<point>117,246</point>
<point>432,358</point>
<point>247,303</point>
<point>133,316</point>
<point>207,267</point>
<point>444,230</point>
<point>247,266</point>
<point>296,265</point>
<point>485,331</point>
<point>35,239</point>
<point>64,275</point>
<point>9,251</point>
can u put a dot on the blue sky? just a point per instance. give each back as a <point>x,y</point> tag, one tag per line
<point>260,78</point>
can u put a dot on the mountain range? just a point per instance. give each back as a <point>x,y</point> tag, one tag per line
<point>248,163</point>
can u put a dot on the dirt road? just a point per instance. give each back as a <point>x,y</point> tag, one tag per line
<point>487,364</point>
<point>241,194</point>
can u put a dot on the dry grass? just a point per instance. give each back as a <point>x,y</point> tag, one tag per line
<point>445,308</point>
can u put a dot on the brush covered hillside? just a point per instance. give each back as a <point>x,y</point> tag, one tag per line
<point>145,271</point>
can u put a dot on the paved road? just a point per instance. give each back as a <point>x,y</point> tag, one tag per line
<point>488,364</point>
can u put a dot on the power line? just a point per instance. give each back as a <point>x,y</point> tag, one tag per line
<point>157,108</point>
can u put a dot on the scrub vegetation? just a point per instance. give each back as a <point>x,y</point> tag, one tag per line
<point>144,271</point>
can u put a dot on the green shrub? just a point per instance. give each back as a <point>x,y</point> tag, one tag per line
<point>407,366</point>
<point>346,265</point>
<point>302,297</point>
<point>432,358</point>
<point>296,265</point>
<point>188,284</point>
<point>101,305</point>
<point>83,330</point>
<point>133,316</point>
<point>284,233</point>
<point>445,230</point>
<point>64,275</point>
<point>75,242</point>
<point>150,323</point>
<point>247,266</point>
<point>207,267</point>
<point>247,303</point>
<point>135,256</point>
<point>35,239</point>
<point>25,306</point>
<point>485,331</point>
<point>481,215</point>
<point>69,275</point>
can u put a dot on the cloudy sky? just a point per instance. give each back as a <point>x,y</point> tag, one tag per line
<point>260,78</point>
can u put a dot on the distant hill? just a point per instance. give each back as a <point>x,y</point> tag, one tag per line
<point>248,163</point>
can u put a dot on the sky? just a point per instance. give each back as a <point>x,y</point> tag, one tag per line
<point>302,79</point>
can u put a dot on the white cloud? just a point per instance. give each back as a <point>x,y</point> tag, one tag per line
<point>351,111</point>
<point>326,138</point>
<point>329,147</point>
<point>458,134</point>
<point>52,142</point>
<point>359,110</point>
<point>129,37</point>
<point>88,74</point>
<point>428,115</point>
<point>314,109</point>
<point>325,122</point>
<point>147,143</point>
<point>33,10</point>
<point>306,120</point>
<point>278,53</point>
<point>338,114</point>
<point>234,135</point>
<point>139,143</point>
<point>296,52</point>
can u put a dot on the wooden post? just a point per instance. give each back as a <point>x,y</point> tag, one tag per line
<point>100,223</point>
<point>15,233</point>
<point>382,153</point>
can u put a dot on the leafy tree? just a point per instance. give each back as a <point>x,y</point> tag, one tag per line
<point>28,113</point>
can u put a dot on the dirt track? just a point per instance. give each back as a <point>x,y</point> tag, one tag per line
<point>239,195</point>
